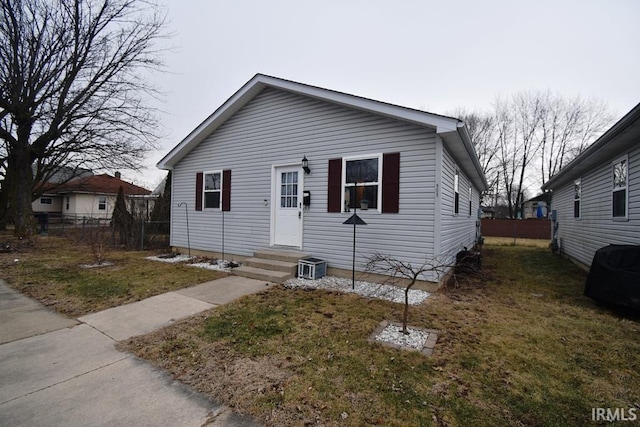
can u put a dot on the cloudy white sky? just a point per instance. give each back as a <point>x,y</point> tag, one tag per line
<point>432,55</point>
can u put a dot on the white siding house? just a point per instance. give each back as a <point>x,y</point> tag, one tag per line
<point>597,196</point>
<point>243,167</point>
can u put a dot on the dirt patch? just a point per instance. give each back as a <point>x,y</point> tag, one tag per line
<point>215,369</point>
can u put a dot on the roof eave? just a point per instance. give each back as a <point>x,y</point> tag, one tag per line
<point>461,149</point>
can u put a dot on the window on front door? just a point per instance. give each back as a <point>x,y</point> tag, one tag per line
<point>289,190</point>
<point>362,178</point>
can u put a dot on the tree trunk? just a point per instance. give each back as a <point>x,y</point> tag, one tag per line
<point>405,314</point>
<point>20,191</point>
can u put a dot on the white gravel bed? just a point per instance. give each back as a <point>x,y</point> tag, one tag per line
<point>416,339</point>
<point>171,259</point>
<point>220,265</point>
<point>367,289</point>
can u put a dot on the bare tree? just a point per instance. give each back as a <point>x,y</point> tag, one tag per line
<point>567,127</point>
<point>71,90</point>
<point>482,130</point>
<point>404,272</point>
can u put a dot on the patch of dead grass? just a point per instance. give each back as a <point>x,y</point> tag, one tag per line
<point>50,269</point>
<point>524,347</point>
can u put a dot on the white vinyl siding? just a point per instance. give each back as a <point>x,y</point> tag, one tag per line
<point>597,228</point>
<point>280,128</point>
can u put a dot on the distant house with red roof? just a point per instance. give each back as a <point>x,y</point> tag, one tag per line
<point>88,196</point>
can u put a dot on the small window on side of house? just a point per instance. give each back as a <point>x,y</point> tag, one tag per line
<point>102,203</point>
<point>456,193</point>
<point>577,197</point>
<point>619,191</point>
<point>67,201</point>
<point>46,201</point>
<point>470,199</point>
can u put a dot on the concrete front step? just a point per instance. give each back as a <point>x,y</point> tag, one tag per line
<point>263,274</point>
<point>272,264</point>
<point>286,255</point>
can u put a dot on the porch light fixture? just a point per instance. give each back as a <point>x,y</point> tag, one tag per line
<point>305,165</point>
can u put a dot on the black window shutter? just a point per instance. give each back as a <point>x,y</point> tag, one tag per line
<point>199,181</point>
<point>390,182</point>
<point>226,190</point>
<point>334,198</point>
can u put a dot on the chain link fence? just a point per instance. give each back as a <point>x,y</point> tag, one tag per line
<point>143,234</point>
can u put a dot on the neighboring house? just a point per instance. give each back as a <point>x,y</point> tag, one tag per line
<point>597,196</point>
<point>537,207</point>
<point>90,196</point>
<point>243,167</point>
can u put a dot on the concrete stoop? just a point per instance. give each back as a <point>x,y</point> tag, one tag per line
<point>272,265</point>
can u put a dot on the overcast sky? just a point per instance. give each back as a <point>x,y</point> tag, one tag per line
<point>432,55</point>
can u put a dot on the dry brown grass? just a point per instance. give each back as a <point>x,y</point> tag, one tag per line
<point>50,270</point>
<point>522,348</point>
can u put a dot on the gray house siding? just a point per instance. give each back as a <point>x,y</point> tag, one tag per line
<point>457,230</point>
<point>278,128</point>
<point>581,237</point>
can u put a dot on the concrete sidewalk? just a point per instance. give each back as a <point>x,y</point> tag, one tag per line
<point>74,376</point>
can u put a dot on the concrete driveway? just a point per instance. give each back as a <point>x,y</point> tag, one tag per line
<point>59,371</point>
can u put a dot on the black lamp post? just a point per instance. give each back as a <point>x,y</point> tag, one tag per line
<point>355,220</point>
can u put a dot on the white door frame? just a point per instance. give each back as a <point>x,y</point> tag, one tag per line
<point>275,200</point>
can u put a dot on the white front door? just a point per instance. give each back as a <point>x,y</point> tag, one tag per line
<point>287,229</point>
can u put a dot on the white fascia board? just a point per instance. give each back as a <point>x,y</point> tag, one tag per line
<point>422,118</point>
<point>459,145</point>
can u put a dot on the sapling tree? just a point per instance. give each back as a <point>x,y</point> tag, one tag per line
<point>404,274</point>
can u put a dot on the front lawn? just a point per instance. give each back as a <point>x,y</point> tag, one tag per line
<point>522,348</point>
<point>53,270</point>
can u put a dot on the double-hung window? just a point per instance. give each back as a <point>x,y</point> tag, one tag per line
<point>619,190</point>
<point>456,193</point>
<point>577,196</point>
<point>212,190</point>
<point>102,203</point>
<point>362,177</point>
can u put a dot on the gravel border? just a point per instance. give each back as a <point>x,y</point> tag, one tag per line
<point>367,289</point>
<point>419,339</point>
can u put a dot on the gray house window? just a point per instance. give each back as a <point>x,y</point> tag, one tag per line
<point>362,178</point>
<point>456,191</point>
<point>212,189</point>
<point>577,195</point>
<point>620,184</point>
<point>102,203</point>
